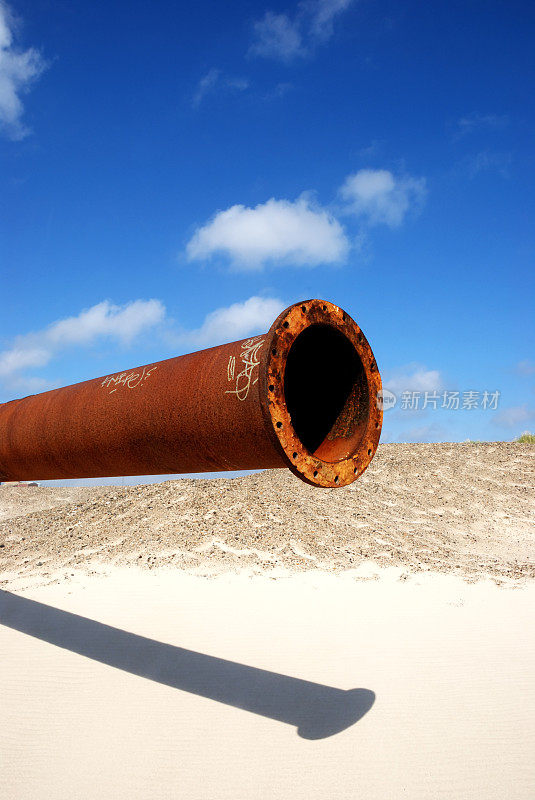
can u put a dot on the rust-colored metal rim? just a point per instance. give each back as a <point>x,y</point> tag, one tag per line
<point>356,445</point>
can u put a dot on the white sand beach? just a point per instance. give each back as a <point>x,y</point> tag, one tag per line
<point>167,685</point>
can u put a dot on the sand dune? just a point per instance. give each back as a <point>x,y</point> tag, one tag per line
<point>257,638</point>
<point>466,509</point>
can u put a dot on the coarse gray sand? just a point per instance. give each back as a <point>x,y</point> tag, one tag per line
<point>457,508</point>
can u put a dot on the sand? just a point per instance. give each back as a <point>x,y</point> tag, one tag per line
<point>462,509</point>
<point>163,684</point>
<point>274,641</point>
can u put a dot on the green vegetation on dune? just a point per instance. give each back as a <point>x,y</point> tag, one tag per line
<point>526,438</point>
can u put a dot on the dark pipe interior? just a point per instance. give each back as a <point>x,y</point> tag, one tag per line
<point>325,388</point>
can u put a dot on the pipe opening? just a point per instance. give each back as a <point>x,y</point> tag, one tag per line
<point>326,392</point>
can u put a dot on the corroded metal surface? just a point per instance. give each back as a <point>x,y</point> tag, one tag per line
<point>254,404</point>
<point>351,444</point>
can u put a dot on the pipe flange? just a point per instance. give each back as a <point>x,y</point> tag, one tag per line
<point>351,442</point>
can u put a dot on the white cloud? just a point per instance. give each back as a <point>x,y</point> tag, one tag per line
<point>302,232</point>
<point>23,355</point>
<point>277,232</point>
<point>237,321</point>
<point>514,416</point>
<point>378,197</point>
<point>18,70</point>
<point>321,14</point>
<point>285,37</point>
<point>414,378</point>
<point>215,80</point>
<point>278,37</point>
<point>122,323</point>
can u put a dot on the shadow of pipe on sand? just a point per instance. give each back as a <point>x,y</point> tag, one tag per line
<point>316,710</point>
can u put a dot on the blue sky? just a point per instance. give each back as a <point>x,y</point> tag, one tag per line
<point>173,174</point>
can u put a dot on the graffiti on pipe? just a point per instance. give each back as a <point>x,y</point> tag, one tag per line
<point>249,359</point>
<point>128,379</point>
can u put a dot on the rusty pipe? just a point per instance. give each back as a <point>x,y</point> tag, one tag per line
<point>301,396</point>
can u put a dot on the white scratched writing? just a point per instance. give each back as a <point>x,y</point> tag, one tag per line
<point>231,368</point>
<point>128,379</point>
<point>249,359</point>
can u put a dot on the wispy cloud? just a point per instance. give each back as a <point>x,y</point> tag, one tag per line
<point>372,150</point>
<point>279,90</point>
<point>414,378</point>
<point>475,121</point>
<point>276,233</point>
<point>525,368</point>
<point>123,325</point>
<point>18,70</point>
<point>286,37</point>
<point>488,161</point>
<point>277,36</point>
<point>104,320</point>
<point>514,416</point>
<point>216,81</point>
<point>377,197</point>
<point>432,432</point>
